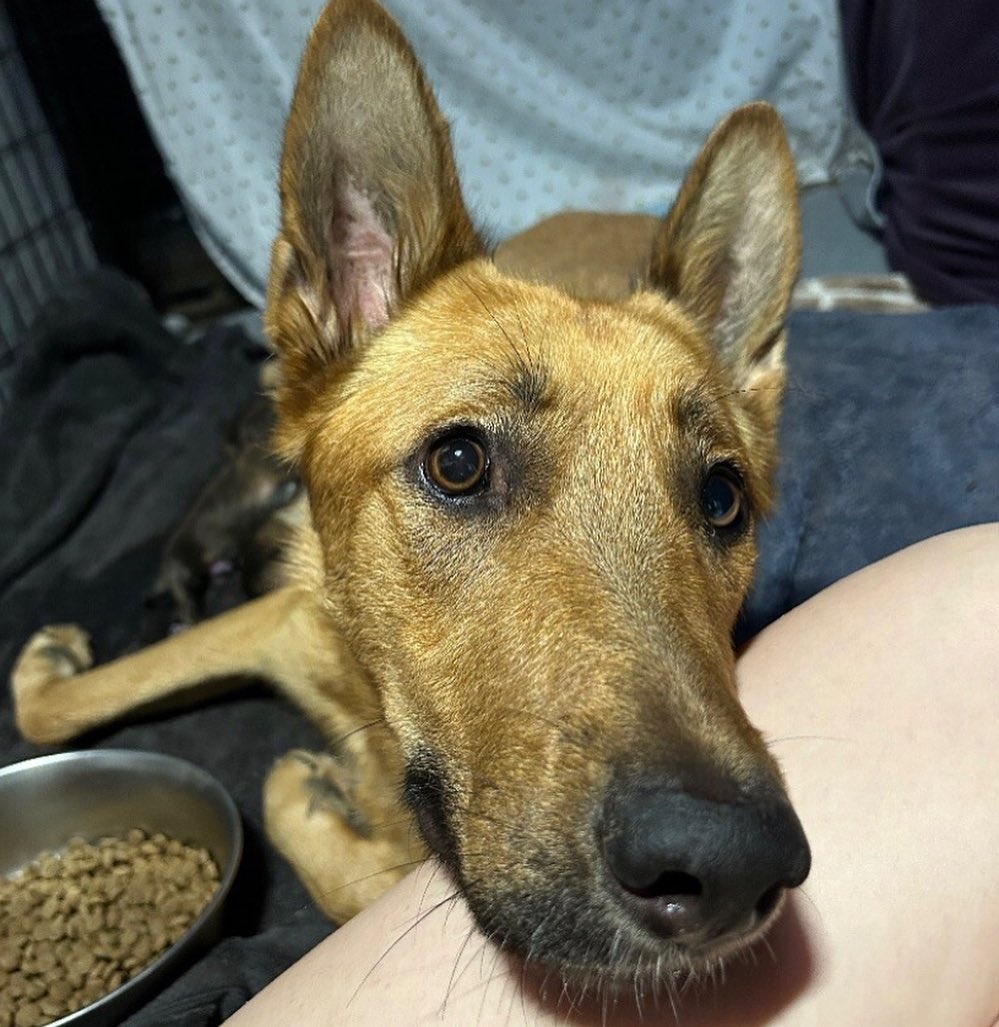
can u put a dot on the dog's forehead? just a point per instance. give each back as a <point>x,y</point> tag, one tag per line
<point>479,343</point>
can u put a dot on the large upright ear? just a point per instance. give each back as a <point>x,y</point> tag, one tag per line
<point>729,249</point>
<point>371,208</point>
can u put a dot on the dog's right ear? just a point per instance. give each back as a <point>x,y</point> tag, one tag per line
<point>371,208</point>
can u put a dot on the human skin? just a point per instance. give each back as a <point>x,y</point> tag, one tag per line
<point>880,697</point>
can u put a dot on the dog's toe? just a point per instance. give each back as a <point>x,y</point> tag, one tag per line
<point>56,652</point>
<point>66,647</point>
<point>317,783</point>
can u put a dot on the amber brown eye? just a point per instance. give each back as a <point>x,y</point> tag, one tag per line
<point>722,498</point>
<point>457,465</point>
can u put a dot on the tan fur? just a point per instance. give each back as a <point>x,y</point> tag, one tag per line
<point>592,256</point>
<point>574,621</point>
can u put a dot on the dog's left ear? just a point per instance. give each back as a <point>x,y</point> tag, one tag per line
<point>371,208</point>
<point>729,249</point>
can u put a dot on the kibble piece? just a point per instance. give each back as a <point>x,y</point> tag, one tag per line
<point>28,1015</point>
<point>59,991</point>
<point>10,956</point>
<point>14,986</point>
<point>20,902</point>
<point>34,988</point>
<point>49,866</point>
<point>76,925</point>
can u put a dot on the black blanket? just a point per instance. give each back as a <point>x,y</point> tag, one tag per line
<point>890,435</point>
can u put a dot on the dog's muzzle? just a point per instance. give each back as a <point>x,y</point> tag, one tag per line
<point>676,871</point>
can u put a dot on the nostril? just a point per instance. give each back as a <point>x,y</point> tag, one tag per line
<point>767,902</point>
<point>671,883</point>
<point>671,905</point>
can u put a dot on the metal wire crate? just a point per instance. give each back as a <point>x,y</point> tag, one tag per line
<point>43,236</point>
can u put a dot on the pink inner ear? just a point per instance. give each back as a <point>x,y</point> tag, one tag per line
<point>362,262</point>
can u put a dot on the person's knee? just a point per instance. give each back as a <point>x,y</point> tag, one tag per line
<point>971,544</point>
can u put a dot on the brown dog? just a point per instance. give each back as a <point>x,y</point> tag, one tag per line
<point>532,527</point>
<point>237,521</point>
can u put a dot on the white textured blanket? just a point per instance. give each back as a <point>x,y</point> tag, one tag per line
<point>575,104</point>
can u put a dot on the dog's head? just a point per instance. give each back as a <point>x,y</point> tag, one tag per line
<point>537,515</point>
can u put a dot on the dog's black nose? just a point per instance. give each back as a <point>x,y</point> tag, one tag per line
<point>697,869</point>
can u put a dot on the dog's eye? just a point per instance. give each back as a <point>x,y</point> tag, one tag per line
<point>457,465</point>
<point>722,498</point>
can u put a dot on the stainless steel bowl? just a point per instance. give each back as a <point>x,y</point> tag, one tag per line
<point>98,792</point>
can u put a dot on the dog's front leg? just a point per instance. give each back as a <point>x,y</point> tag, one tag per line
<point>58,695</point>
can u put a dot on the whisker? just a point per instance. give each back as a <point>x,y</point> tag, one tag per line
<point>522,364</point>
<point>412,927</point>
<point>562,730</point>
<point>493,976</point>
<point>430,880</point>
<point>329,892</point>
<point>455,976</point>
<point>335,743</point>
<point>749,389</point>
<point>804,738</point>
<point>808,898</point>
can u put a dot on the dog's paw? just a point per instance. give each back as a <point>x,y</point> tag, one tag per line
<point>53,654</point>
<point>57,651</point>
<point>344,859</point>
<point>312,783</point>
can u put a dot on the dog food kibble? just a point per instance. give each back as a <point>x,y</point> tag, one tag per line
<point>77,924</point>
